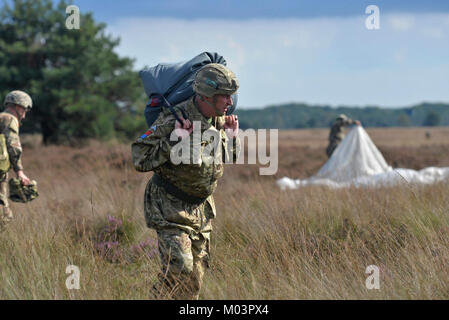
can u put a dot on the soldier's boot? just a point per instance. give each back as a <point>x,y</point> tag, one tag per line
<point>6,216</point>
<point>165,288</point>
<point>199,267</point>
<point>188,286</point>
<point>186,290</point>
<point>160,291</point>
<point>179,287</point>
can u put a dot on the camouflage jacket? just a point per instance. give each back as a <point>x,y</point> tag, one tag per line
<point>338,130</point>
<point>9,126</point>
<point>153,151</point>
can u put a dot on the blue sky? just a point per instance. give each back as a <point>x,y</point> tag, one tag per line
<point>316,52</point>
<point>108,10</point>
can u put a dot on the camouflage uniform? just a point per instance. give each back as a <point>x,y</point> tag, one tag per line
<point>337,133</point>
<point>183,228</point>
<point>9,126</point>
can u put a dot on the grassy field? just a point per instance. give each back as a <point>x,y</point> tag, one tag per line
<point>311,243</point>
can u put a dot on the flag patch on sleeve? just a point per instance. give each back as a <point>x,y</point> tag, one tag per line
<point>149,132</point>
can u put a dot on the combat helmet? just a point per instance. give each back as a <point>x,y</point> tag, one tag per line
<point>342,117</point>
<point>215,79</point>
<point>20,98</point>
<point>20,193</point>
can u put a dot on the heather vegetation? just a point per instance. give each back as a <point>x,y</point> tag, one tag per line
<point>309,243</point>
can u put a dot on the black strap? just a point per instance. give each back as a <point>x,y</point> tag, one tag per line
<point>176,192</point>
<point>170,107</point>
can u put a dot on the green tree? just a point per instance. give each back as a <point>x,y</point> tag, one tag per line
<point>404,120</point>
<point>80,87</point>
<point>432,119</point>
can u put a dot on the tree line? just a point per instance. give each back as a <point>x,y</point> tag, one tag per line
<point>298,116</point>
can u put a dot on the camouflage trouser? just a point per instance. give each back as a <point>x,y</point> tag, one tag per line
<point>333,144</point>
<point>184,239</point>
<point>5,212</point>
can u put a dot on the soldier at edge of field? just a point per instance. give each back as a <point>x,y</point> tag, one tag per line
<point>179,203</point>
<point>17,104</point>
<point>337,132</point>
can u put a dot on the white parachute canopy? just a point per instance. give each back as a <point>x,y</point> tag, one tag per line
<point>358,162</point>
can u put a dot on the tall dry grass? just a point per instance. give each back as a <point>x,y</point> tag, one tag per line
<point>312,243</point>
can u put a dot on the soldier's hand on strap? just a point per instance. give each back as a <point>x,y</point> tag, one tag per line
<point>185,129</point>
<point>231,126</point>
<point>25,180</point>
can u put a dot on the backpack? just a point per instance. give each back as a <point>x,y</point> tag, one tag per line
<point>167,85</point>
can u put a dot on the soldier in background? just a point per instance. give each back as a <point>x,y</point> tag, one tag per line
<point>337,133</point>
<point>17,104</point>
<point>178,199</point>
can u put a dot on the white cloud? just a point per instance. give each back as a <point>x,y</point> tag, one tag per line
<point>253,35</point>
<point>307,60</point>
<point>433,32</point>
<point>403,22</point>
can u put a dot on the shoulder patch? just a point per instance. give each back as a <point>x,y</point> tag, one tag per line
<point>149,132</point>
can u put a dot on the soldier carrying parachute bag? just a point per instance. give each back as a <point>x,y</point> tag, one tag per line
<point>178,200</point>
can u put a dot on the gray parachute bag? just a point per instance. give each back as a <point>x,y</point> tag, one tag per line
<point>168,84</point>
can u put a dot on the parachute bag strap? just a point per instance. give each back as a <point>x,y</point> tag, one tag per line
<point>172,110</point>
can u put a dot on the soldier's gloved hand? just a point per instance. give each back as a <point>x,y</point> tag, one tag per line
<point>357,122</point>
<point>183,130</point>
<point>231,126</point>
<point>25,180</point>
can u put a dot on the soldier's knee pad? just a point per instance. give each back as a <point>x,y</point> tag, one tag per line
<point>176,261</point>
<point>181,265</point>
